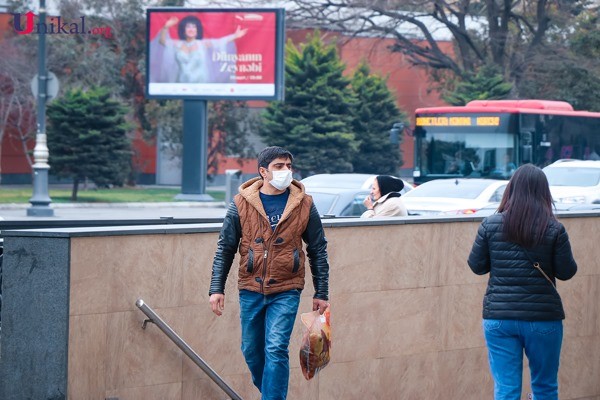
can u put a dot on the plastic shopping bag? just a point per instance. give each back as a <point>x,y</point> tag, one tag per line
<point>316,342</point>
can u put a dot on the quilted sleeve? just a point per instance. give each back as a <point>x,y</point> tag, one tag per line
<point>479,258</point>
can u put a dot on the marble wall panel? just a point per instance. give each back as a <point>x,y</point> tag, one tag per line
<point>87,356</point>
<point>215,339</point>
<point>580,367</point>
<point>353,380</point>
<point>142,357</point>
<point>583,235</point>
<point>463,374</point>
<point>302,389</point>
<point>406,316</point>
<point>169,391</point>
<point>145,267</point>
<point>90,275</point>
<point>580,300</point>
<point>205,388</point>
<point>197,252</point>
<point>384,324</point>
<point>461,316</point>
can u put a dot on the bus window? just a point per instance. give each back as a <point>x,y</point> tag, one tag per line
<point>467,154</point>
<point>491,138</point>
<point>505,167</point>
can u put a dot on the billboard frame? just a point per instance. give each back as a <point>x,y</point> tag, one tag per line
<point>278,93</point>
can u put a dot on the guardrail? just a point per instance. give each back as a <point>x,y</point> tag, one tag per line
<point>6,225</point>
<point>167,330</point>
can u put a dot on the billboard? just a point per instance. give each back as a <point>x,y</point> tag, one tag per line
<point>215,54</point>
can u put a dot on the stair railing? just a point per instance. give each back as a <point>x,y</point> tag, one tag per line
<point>167,330</point>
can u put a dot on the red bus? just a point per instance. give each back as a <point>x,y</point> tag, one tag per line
<point>490,138</point>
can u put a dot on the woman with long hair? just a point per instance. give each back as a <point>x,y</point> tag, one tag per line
<point>524,249</point>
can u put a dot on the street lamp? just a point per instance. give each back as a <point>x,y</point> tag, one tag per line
<point>40,201</point>
<point>395,132</point>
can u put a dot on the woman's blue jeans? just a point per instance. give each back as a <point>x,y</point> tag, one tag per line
<point>541,340</point>
<point>267,323</point>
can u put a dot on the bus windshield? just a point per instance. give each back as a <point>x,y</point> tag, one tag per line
<point>467,154</point>
<point>491,138</point>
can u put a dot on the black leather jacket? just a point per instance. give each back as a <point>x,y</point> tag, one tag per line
<point>313,236</point>
<point>516,290</point>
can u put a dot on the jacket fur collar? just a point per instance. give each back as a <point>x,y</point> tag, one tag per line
<point>250,191</point>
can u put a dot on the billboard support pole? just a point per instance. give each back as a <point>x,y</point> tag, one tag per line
<point>195,151</point>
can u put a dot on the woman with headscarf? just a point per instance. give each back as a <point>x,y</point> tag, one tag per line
<point>384,200</point>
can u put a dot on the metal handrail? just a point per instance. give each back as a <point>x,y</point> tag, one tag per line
<point>167,330</point>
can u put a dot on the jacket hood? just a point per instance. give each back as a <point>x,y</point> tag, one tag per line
<point>256,184</point>
<point>250,191</point>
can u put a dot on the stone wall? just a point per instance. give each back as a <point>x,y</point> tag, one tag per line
<point>406,314</point>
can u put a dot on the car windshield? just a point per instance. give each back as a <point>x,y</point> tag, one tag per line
<point>452,188</point>
<point>339,181</point>
<point>573,176</point>
<point>323,201</point>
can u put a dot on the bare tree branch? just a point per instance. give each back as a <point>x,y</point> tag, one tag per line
<point>505,33</point>
<point>16,99</point>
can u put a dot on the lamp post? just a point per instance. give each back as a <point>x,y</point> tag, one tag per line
<point>396,132</point>
<point>40,201</point>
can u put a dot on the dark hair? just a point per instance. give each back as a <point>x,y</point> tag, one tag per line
<point>526,206</point>
<point>388,184</point>
<point>190,19</point>
<point>268,154</point>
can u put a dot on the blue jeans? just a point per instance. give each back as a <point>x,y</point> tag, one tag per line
<point>267,323</point>
<point>541,340</point>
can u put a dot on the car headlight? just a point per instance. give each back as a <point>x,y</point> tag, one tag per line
<point>572,200</point>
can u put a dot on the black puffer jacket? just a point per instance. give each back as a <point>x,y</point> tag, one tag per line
<point>515,289</point>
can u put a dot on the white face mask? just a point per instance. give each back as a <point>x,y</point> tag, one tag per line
<point>281,179</point>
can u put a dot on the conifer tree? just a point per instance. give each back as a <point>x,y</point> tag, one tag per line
<point>87,138</point>
<point>315,120</point>
<point>375,114</point>
<point>486,84</point>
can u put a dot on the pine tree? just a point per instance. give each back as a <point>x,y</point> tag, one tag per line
<point>87,138</point>
<point>375,114</point>
<point>487,84</point>
<point>315,120</point>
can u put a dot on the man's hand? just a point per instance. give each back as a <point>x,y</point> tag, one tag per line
<point>217,303</point>
<point>319,305</point>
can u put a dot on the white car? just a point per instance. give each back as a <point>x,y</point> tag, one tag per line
<point>574,181</point>
<point>454,196</point>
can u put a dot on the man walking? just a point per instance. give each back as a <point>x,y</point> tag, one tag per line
<point>268,220</point>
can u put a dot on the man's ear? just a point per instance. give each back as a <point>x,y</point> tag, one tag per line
<point>262,172</point>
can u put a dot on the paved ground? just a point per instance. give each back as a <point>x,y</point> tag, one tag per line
<point>101,211</point>
<point>68,211</point>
